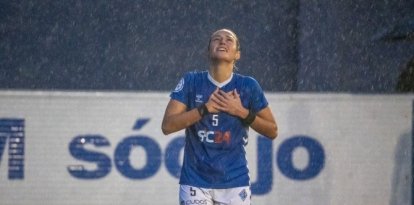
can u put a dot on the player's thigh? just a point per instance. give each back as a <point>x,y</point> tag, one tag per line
<point>194,195</point>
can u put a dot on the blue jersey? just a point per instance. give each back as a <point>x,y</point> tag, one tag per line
<point>214,155</point>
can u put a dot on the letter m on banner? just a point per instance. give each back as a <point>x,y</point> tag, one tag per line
<point>12,134</point>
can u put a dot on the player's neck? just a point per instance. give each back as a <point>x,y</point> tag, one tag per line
<point>221,72</point>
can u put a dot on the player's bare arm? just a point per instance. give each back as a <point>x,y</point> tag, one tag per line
<point>230,102</point>
<point>265,123</point>
<point>177,117</point>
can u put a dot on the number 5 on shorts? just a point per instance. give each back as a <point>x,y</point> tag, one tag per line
<point>192,191</point>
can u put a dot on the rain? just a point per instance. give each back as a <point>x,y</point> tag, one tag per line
<point>303,53</point>
<point>127,45</point>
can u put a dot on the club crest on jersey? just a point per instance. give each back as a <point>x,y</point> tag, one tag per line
<point>179,86</point>
<point>199,98</point>
<point>243,195</point>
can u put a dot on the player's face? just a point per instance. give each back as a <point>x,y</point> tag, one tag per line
<point>223,46</point>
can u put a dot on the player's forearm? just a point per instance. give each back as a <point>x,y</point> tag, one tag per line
<point>263,122</point>
<point>177,122</point>
<point>265,127</point>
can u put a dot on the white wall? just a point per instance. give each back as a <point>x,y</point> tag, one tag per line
<point>366,142</point>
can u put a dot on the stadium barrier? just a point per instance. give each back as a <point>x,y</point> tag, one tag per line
<point>108,148</point>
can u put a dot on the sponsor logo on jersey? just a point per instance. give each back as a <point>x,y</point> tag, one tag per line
<point>199,98</point>
<point>246,140</point>
<point>216,137</point>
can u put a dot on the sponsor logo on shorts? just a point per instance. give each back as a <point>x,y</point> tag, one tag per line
<point>196,201</point>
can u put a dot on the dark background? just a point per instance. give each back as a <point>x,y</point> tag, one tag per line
<point>354,46</point>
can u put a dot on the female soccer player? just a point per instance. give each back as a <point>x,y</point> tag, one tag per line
<point>216,109</point>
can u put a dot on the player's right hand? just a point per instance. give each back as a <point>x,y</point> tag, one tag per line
<point>213,103</point>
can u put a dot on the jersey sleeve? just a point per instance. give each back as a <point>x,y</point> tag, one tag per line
<point>180,93</point>
<point>258,100</point>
